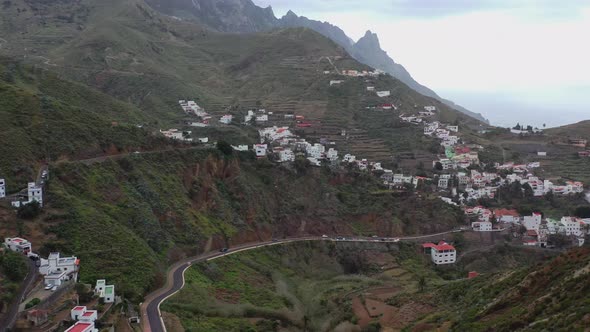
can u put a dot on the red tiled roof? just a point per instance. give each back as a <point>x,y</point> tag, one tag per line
<point>79,308</point>
<point>428,245</point>
<point>506,212</point>
<point>88,313</point>
<point>445,246</point>
<point>79,327</point>
<point>531,232</point>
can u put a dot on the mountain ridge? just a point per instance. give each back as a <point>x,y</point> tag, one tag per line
<point>244,16</point>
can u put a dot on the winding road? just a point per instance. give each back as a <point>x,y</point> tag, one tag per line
<point>151,317</point>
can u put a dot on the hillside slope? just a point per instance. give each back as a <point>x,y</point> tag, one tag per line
<point>44,117</point>
<point>549,297</point>
<point>243,16</point>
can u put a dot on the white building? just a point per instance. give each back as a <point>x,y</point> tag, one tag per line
<point>240,147</point>
<point>443,183</point>
<point>349,158</point>
<point>104,291</point>
<point>2,188</point>
<point>262,118</point>
<point>336,82</point>
<point>383,93</point>
<point>286,155</point>
<point>18,244</point>
<point>260,150</point>
<point>315,151</point>
<point>248,118</point>
<point>532,222</point>
<point>82,327</point>
<point>272,134</point>
<point>226,119</point>
<point>571,226</point>
<point>443,253</point>
<point>58,269</point>
<point>481,226</point>
<point>370,88</point>
<point>332,154</point>
<point>177,134</point>
<point>454,129</point>
<point>430,108</point>
<point>82,314</point>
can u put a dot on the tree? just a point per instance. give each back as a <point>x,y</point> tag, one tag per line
<point>224,147</point>
<point>301,164</point>
<point>13,266</point>
<point>29,211</point>
<point>582,212</point>
<point>438,166</point>
<point>559,240</point>
<point>422,284</point>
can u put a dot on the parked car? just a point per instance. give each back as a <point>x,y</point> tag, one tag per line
<point>48,287</point>
<point>324,236</point>
<point>223,250</point>
<point>54,288</point>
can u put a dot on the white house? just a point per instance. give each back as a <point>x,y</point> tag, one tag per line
<point>58,269</point>
<point>18,244</point>
<point>240,147</point>
<point>286,155</point>
<point>315,151</point>
<point>335,82</point>
<point>430,108</point>
<point>383,93</point>
<point>481,226</point>
<point>571,226</point>
<point>262,118</point>
<point>82,314</point>
<point>332,154</point>
<point>454,129</point>
<point>370,88</point>
<point>248,118</point>
<point>2,188</point>
<point>442,253</point>
<point>35,193</point>
<point>443,182</point>
<point>532,222</point>
<point>82,327</point>
<point>349,158</point>
<point>542,153</point>
<point>226,119</point>
<point>260,150</point>
<point>177,134</point>
<point>203,140</point>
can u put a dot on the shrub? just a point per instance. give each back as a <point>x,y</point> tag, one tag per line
<point>32,303</point>
<point>29,211</point>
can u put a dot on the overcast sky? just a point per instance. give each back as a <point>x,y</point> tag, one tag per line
<point>511,60</point>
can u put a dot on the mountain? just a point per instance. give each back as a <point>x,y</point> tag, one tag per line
<point>90,73</point>
<point>243,16</point>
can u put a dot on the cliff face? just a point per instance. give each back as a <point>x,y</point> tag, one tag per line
<point>243,16</point>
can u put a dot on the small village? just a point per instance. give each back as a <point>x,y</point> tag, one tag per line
<point>458,176</point>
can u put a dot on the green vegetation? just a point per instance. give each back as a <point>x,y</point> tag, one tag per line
<point>13,270</point>
<point>548,297</point>
<point>32,303</point>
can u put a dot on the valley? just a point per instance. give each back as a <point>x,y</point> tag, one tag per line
<point>138,144</point>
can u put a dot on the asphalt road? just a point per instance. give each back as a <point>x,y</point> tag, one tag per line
<point>10,317</point>
<point>150,309</point>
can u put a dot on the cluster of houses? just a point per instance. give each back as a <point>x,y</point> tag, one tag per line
<point>399,180</point>
<point>281,142</point>
<point>361,73</point>
<point>537,228</point>
<point>177,135</point>
<point>84,318</point>
<point>192,108</point>
<point>34,193</point>
<point>55,269</point>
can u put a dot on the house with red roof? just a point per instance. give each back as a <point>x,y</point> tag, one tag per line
<point>18,244</point>
<point>441,253</point>
<point>82,327</point>
<point>506,215</point>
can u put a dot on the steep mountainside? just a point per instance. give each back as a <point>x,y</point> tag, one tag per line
<point>244,16</point>
<point>549,297</point>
